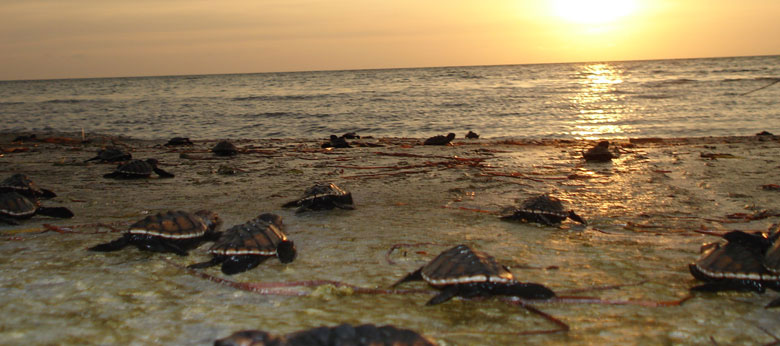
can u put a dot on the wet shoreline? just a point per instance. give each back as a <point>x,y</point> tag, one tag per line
<point>643,209</point>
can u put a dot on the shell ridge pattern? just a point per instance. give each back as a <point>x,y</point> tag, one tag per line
<point>16,204</point>
<point>241,238</point>
<point>448,268</point>
<point>715,264</point>
<point>171,225</point>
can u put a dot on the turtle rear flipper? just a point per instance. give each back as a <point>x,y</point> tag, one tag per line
<point>413,276</point>
<point>115,245</point>
<point>214,261</point>
<point>112,175</point>
<point>60,212</point>
<point>577,218</point>
<point>773,304</point>
<point>291,204</point>
<point>162,173</point>
<point>445,295</point>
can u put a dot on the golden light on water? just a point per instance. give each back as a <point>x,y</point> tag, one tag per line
<point>599,107</point>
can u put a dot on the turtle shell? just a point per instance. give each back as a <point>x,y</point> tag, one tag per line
<point>462,264</point>
<point>741,258</point>
<point>542,209</point>
<point>440,140</point>
<point>344,334</point>
<point>172,225</point>
<point>22,184</point>
<point>323,196</point>
<point>259,236</point>
<point>179,141</point>
<point>138,168</point>
<point>225,148</point>
<point>112,154</point>
<point>16,206</point>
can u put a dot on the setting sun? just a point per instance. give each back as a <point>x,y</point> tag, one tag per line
<point>593,11</point>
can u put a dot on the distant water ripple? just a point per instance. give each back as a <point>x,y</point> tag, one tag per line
<point>659,98</point>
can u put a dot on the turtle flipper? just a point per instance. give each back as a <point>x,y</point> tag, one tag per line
<point>162,173</point>
<point>445,295</point>
<point>577,218</point>
<point>113,175</point>
<point>544,220</point>
<point>773,304</point>
<point>239,264</point>
<point>291,204</point>
<point>8,220</point>
<point>93,159</point>
<point>173,248</point>
<point>413,276</point>
<point>61,212</point>
<point>528,291</point>
<point>47,193</point>
<point>214,261</point>
<point>115,245</point>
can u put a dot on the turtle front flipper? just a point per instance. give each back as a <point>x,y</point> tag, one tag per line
<point>8,220</point>
<point>214,261</point>
<point>527,291</point>
<point>413,276</point>
<point>115,245</point>
<point>60,212</point>
<point>171,247</point>
<point>773,304</point>
<point>577,218</point>
<point>446,294</point>
<point>239,264</point>
<point>162,173</point>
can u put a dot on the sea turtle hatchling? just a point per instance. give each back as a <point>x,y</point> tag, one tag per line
<point>111,154</point>
<point>172,231</point>
<point>322,196</point>
<point>440,140</point>
<point>341,335</point>
<point>14,206</point>
<point>138,169</point>
<point>224,148</point>
<point>243,247</point>
<point>178,141</point>
<point>465,272</point>
<point>22,184</point>
<point>746,262</point>
<point>543,209</point>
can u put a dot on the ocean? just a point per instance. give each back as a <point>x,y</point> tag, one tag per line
<point>654,98</point>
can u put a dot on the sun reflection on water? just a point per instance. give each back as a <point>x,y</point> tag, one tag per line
<point>600,108</point>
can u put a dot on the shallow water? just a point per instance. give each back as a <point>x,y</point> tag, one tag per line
<point>641,209</point>
<point>657,98</point>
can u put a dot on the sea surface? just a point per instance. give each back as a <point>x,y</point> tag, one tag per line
<point>656,98</point>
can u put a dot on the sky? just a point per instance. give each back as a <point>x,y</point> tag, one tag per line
<point>48,39</point>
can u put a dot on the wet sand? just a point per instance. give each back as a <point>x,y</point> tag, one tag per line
<point>643,209</point>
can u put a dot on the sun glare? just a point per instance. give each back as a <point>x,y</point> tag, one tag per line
<point>593,11</point>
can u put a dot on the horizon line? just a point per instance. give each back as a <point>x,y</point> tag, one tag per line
<point>382,68</point>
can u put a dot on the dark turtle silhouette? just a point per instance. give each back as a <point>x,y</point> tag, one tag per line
<point>440,140</point>
<point>224,148</point>
<point>172,231</point>
<point>136,169</point>
<point>465,272</point>
<point>23,185</point>
<point>111,154</point>
<point>177,141</point>
<point>14,206</point>
<point>472,135</point>
<point>322,197</point>
<point>601,152</point>
<point>336,142</point>
<point>244,246</point>
<point>543,209</point>
<point>350,135</point>
<point>746,262</point>
<point>341,335</point>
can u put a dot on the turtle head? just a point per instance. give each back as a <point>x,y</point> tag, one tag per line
<point>603,144</point>
<point>450,136</point>
<point>211,219</point>
<point>286,251</point>
<point>247,338</point>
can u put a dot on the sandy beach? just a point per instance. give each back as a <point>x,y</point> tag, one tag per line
<point>643,211</point>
